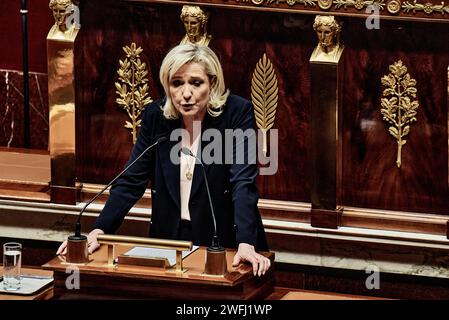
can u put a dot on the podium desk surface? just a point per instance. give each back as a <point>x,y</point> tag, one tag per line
<point>99,280</point>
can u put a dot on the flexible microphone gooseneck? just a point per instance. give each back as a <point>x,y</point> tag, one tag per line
<point>215,242</point>
<point>78,222</point>
<point>77,244</point>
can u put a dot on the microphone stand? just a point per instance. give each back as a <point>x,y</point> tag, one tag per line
<point>77,246</point>
<point>216,254</point>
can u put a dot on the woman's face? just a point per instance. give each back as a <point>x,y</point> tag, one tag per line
<point>189,91</point>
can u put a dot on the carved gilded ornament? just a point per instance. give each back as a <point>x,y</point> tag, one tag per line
<point>398,108</point>
<point>195,23</point>
<point>359,4</point>
<point>328,49</point>
<point>66,16</point>
<point>132,87</point>
<point>289,2</point>
<point>427,7</point>
<point>264,95</point>
<point>325,4</point>
<point>394,6</point>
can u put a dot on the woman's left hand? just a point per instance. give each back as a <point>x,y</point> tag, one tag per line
<point>246,252</point>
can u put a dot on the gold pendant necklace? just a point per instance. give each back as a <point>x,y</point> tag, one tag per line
<point>189,174</point>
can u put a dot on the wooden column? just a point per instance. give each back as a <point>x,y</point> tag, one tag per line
<point>325,142</point>
<point>61,98</point>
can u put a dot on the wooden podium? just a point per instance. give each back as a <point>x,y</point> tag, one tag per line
<point>97,280</point>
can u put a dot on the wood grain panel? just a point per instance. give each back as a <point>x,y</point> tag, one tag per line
<point>103,144</point>
<point>370,176</point>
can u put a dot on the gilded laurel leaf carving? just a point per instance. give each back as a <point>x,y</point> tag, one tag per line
<point>427,7</point>
<point>132,87</point>
<point>398,107</point>
<point>264,95</point>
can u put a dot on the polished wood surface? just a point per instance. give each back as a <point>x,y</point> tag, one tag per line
<point>98,280</point>
<point>370,176</point>
<point>24,174</point>
<point>43,294</point>
<point>324,111</point>
<point>326,218</point>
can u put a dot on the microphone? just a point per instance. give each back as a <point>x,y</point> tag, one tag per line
<point>78,241</point>
<point>216,254</point>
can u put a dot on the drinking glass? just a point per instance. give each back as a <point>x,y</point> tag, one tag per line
<point>12,261</point>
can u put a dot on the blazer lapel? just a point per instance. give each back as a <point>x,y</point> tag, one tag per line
<point>170,170</point>
<point>198,177</point>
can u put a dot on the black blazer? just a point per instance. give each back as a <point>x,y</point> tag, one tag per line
<point>232,186</point>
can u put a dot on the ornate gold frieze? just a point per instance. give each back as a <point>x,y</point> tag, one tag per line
<point>394,7</point>
<point>264,95</point>
<point>289,2</point>
<point>132,87</point>
<point>359,4</point>
<point>398,108</point>
<point>427,7</point>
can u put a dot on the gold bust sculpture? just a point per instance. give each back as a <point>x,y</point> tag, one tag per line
<point>195,23</point>
<point>63,28</point>
<point>328,31</point>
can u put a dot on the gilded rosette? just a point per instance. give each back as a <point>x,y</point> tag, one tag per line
<point>394,6</point>
<point>325,4</point>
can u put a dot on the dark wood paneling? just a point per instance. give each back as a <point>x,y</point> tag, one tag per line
<point>103,144</point>
<point>370,176</point>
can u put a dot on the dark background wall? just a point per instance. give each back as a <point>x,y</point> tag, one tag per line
<point>39,22</point>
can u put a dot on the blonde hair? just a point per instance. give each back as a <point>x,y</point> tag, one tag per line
<point>186,53</point>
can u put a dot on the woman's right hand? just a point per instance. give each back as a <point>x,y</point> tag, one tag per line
<point>92,242</point>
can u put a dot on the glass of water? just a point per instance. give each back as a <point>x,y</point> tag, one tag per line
<point>12,261</point>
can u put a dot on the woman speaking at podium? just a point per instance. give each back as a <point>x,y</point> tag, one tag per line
<point>196,102</point>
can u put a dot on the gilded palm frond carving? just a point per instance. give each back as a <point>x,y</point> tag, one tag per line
<point>264,95</point>
<point>398,108</point>
<point>132,87</point>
